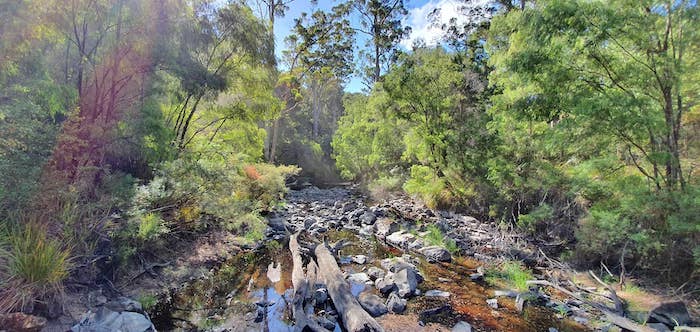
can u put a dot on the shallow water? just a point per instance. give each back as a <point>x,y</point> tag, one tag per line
<point>244,295</point>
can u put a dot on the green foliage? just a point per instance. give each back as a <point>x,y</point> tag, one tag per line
<point>530,221</point>
<point>147,301</point>
<point>33,267</point>
<point>512,273</point>
<point>427,185</point>
<point>435,237</point>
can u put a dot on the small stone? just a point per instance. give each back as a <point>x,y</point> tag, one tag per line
<point>359,259</point>
<point>441,279</point>
<point>375,273</point>
<point>551,329</point>
<point>462,326</point>
<point>493,303</point>
<point>476,276</point>
<point>581,320</point>
<point>505,293</point>
<point>437,293</point>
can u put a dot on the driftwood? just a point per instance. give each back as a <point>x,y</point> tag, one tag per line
<point>353,316</point>
<point>301,291</point>
<point>614,318</point>
<point>619,308</point>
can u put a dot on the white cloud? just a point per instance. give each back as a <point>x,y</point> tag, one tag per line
<point>423,28</point>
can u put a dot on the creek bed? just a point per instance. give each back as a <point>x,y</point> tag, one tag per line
<point>239,295</point>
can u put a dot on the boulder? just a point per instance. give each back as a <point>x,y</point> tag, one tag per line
<point>368,218</point>
<point>20,322</point>
<point>436,254</point>
<point>462,326</point>
<point>406,282</point>
<point>359,278</point>
<point>384,227</point>
<point>400,239</point>
<point>670,313</point>
<point>107,320</point>
<point>373,304</point>
<point>396,304</point>
<point>385,285</point>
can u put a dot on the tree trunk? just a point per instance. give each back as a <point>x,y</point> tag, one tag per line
<point>354,317</point>
<point>301,291</point>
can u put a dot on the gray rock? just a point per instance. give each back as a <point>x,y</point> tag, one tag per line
<point>505,293</point>
<point>366,230</point>
<point>581,320</point>
<point>375,273</point>
<point>462,326</point>
<point>670,313</point>
<point>400,239</point>
<point>359,278</point>
<point>551,329</point>
<point>385,285</point>
<point>359,259</point>
<point>493,303</point>
<point>406,282</point>
<point>416,245</point>
<point>396,264</point>
<point>436,254</point>
<point>396,304</point>
<point>373,304</point>
<point>368,218</point>
<point>384,227</point>
<point>107,320</point>
<point>437,293</point>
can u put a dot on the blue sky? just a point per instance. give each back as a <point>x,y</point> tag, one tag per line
<point>417,19</point>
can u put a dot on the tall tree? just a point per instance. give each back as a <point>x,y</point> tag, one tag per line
<point>381,21</point>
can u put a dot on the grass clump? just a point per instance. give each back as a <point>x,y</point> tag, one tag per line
<point>511,274</point>
<point>33,267</point>
<point>435,237</point>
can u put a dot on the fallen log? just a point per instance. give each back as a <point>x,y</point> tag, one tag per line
<point>353,316</point>
<point>301,290</point>
<point>613,317</point>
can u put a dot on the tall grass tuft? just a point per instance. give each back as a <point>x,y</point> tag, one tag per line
<point>33,267</point>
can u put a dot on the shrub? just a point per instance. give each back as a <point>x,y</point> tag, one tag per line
<point>33,267</point>
<point>530,221</point>
<point>435,237</point>
<point>383,187</point>
<point>424,183</point>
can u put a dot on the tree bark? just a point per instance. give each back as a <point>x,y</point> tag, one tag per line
<point>301,291</point>
<point>353,316</point>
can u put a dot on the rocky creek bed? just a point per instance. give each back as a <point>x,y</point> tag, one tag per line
<point>400,280</point>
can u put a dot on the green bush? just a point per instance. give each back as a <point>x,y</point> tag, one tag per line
<point>530,221</point>
<point>427,186</point>
<point>33,267</point>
